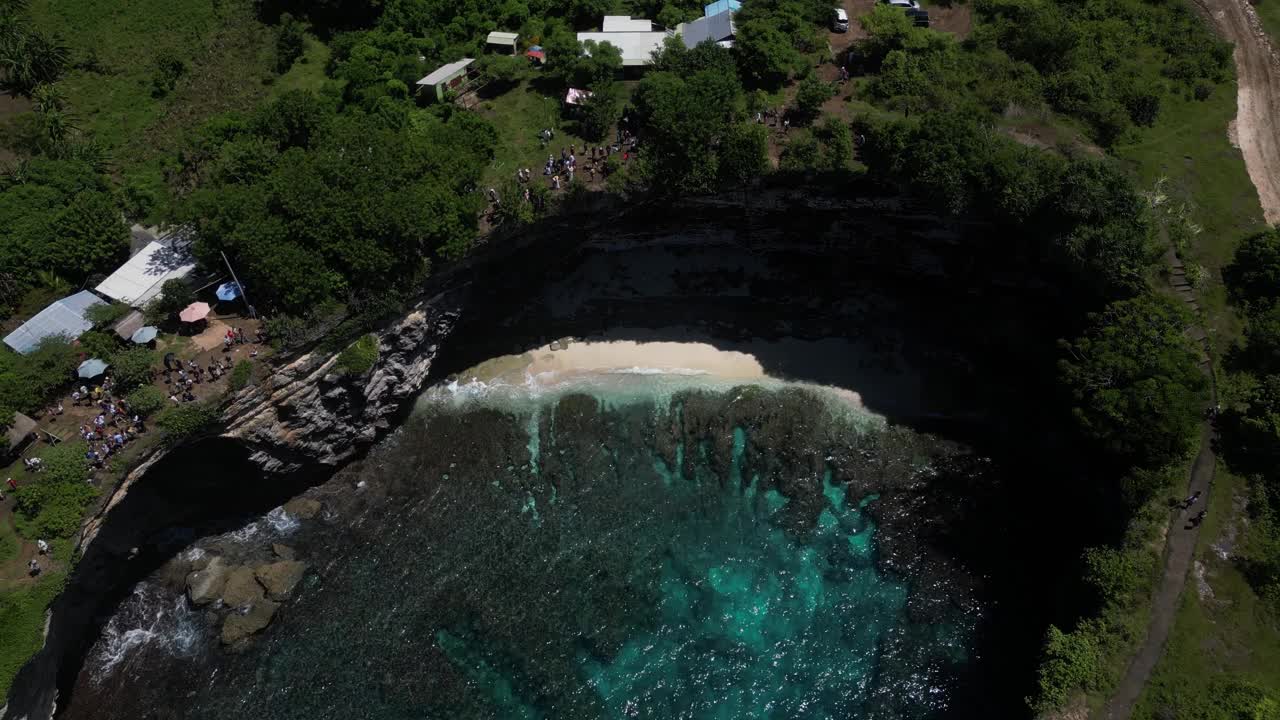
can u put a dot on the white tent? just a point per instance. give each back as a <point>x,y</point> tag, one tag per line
<point>139,280</point>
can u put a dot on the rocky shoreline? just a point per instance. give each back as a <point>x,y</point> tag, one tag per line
<point>305,421</point>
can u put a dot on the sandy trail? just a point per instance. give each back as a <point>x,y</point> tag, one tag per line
<point>1258,98</point>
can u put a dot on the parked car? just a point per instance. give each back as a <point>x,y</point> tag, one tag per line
<point>904,4</point>
<point>840,21</point>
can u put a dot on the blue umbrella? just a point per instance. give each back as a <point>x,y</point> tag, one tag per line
<point>92,368</point>
<point>145,335</point>
<point>228,291</point>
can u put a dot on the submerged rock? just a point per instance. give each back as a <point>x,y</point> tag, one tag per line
<point>304,508</point>
<point>242,588</point>
<point>279,578</point>
<point>240,626</point>
<point>205,586</point>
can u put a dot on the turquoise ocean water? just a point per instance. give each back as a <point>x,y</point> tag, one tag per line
<point>631,552</point>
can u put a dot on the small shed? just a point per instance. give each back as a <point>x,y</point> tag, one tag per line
<point>720,6</point>
<point>19,434</point>
<point>504,40</point>
<point>65,317</point>
<point>445,77</point>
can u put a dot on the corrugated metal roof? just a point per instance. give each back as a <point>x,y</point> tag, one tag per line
<point>720,6</point>
<point>446,72</point>
<point>625,23</point>
<point>714,28</point>
<point>139,280</point>
<point>502,38</point>
<point>637,47</point>
<point>63,317</point>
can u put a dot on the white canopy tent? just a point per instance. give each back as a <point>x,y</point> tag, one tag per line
<point>139,280</point>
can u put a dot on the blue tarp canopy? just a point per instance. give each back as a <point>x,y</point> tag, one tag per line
<point>720,6</point>
<point>229,291</point>
<point>64,317</point>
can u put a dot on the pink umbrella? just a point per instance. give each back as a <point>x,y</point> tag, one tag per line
<point>194,312</point>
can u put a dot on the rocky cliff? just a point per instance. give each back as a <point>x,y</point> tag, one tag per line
<point>306,412</point>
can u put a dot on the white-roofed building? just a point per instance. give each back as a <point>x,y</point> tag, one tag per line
<point>65,317</point>
<point>716,28</point>
<point>504,40</point>
<point>445,77</point>
<point>625,23</point>
<point>637,48</point>
<point>139,280</point>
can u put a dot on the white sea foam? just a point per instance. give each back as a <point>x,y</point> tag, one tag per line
<point>282,522</point>
<point>145,619</point>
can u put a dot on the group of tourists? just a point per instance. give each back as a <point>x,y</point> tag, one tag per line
<point>111,430</point>
<point>86,397</point>
<point>236,336</point>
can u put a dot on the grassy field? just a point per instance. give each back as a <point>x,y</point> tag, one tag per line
<point>1189,154</point>
<point>22,614</point>
<point>1269,14</point>
<point>307,72</point>
<point>1228,634</point>
<point>519,114</point>
<point>227,52</point>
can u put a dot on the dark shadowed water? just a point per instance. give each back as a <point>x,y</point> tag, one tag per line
<point>647,547</point>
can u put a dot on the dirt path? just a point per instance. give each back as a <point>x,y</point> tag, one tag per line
<point>1181,543</point>
<point>1258,100</point>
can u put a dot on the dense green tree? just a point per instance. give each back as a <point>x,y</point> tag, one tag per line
<point>811,93</point>
<point>362,205</point>
<point>743,153</point>
<point>133,367</point>
<point>1253,277</point>
<point>601,111</point>
<point>290,42</point>
<point>683,121</point>
<point>766,56</point>
<point>166,69</point>
<point>28,57</point>
<point>88,236</point>
<point>1134,380</point>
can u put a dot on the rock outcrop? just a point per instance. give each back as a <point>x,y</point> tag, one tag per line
<point>306,413</point>
<point>279,578</point>
<point>242,588</point>
<point>239,626</point>
<point>205,586</point>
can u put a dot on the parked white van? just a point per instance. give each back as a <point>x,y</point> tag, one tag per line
<point>840,21</point>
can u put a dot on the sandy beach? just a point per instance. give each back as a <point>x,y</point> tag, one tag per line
<point>558,361</point>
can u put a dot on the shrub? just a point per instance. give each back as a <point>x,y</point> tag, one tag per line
<point>287,331</point>
<point>166,71</point>
<point>810,95</point>
<point>1071,661</point>
<point>240,375</point>
<point>185,421</point>
<point>290,42</point>
<point>147,400</point>
<point>103,315</point>
<point>99,344</point>
<point>359,357</point>
<point>132,367</point>
<point>52,504</point>
<point>174,296</point>
<point>1203,91</point>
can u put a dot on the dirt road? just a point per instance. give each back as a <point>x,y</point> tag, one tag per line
<point>1258,101</point>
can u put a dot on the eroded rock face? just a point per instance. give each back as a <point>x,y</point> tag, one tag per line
<point>205,586</point>
<point>303,508</point>
<point>306,413</point>
<point>279,578</point>
<point>240,626</point>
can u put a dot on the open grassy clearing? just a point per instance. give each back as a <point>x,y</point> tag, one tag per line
<point>1189,154</point>
<point>1229,633</point>
<point>227,53</point>
<point>518,115</point>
